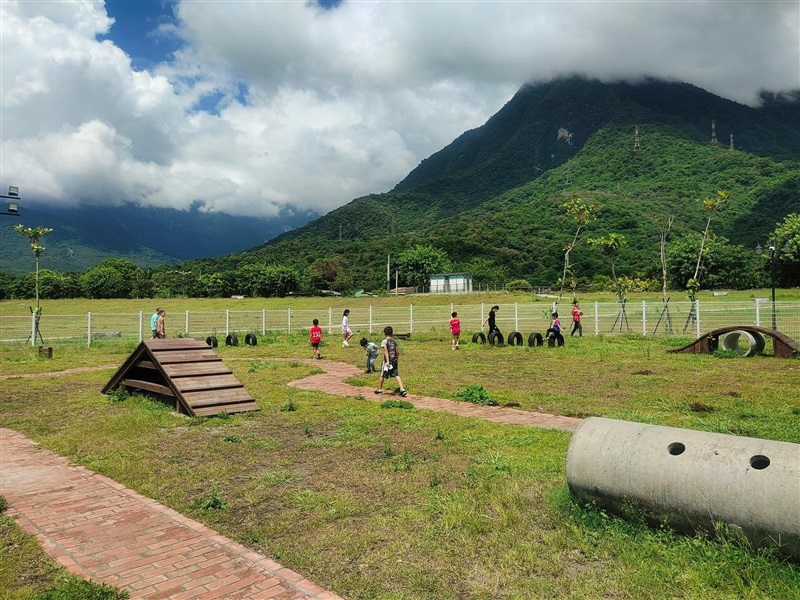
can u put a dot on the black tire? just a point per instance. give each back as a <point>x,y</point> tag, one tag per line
<point>232,340</point>
<point>515,338</point>
<point>479,338</point>
<point>212,341</point>
<point>535,340</point>
<point>495,338</point>
<point>551,341</point>
<point>559,339</point>
<point>250,340</point>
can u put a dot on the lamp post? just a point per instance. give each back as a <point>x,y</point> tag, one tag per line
<point>12,208</point>
<point>771,250</point>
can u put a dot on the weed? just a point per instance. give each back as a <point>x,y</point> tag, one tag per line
<point>477,395</point>
<point>439,435</point>
<point>223,416</point>
<point>3,504</point>
<point>235,439</point>
<point>289,406</point>
<point>119,394</point>
<point>307,430</point>
<point>212,501</point>
<point>387,451</point>
<point>396,404</point>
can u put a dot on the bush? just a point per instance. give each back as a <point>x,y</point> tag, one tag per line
<point>477,395</point>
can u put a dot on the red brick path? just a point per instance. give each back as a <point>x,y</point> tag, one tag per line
<point>333,382</point>
<point>101,530</point>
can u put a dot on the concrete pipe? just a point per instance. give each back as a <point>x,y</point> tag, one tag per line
<point>691,480</point>
<point>754,342</point>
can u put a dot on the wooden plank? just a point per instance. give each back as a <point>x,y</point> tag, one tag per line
<point>149,386</point>
<point>210,411</point>
<point>209,382</point>
<point>175,344</point>
<point>211,397</point>
<point>146,364</point>
<point>203,368</point>
<point>166,358</point>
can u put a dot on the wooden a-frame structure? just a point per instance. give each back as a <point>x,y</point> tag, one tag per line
<point>188,372</point>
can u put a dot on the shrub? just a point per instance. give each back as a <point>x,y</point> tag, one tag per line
<point>477,395</point>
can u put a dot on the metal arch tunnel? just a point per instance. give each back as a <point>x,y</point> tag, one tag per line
<point>728,338</point>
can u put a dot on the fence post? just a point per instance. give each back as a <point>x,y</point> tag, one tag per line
<point>482,317</point>
<point>227,322</point>
<point>758,313</point>
<point>140,326</point>
<point>33,329</point>
<point>516,317</point>
<point>370,318</point>
<point>410,318</point>
<point>263,321</point>
<point>330,319</point>
<point>596,318</point>
<point>644,317</point>
<point>697,310</point>
<point>289,320</point>
<point>88,330</point>
<point>187,321</point>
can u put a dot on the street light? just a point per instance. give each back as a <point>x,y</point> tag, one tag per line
<point>771,250</point>
<point>13,207</point>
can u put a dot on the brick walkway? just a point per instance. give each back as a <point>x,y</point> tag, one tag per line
<point>333,382</point>
<point>103,531</point>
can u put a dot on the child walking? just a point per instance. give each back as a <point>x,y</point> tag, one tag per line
<point>390,360</point>
<point>371,350</point>
<point>316,338</point>
<point>347,333</point>
<point>455,329</point>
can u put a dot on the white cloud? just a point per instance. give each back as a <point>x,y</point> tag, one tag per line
<point>318,107</point>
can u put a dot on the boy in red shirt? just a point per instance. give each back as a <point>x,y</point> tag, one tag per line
<point>576,319</point>
<point>316,338</point>
<point>455,329</point>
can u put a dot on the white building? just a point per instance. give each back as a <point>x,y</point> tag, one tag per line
<point>451,283</point>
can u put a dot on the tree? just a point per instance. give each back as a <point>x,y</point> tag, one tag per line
<point>610,246</point>
<point>34,235</point>
<point>420,262</point>
<point>786,238</point>
<point>103,282</point>
<point>663,234</point>
<point>582,214</point>
<point>724,266</point>
<point>711,205</point>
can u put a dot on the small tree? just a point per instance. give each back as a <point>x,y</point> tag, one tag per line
<point>34,235</point>
<point>582,213</point>
<point>663,235</point>
<point>610,246</point>
<point>711,205</point>
<point>420,262</point>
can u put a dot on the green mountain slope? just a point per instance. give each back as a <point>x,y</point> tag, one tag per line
<point>496,192</point>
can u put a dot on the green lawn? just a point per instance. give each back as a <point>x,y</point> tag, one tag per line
<point>392,503</point>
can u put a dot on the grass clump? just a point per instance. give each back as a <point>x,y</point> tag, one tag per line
<point>396,404</point>
<point>476,394</point>
<point>211,501</point>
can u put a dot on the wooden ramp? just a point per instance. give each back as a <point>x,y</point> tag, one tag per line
<point>187,371</point>
<point>783,346</point>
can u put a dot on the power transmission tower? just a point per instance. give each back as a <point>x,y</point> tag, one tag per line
<point>713,132</point>
<point>636,145</point>
<point>731,146</point>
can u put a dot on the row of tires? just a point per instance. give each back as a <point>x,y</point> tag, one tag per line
<point>232,340</point>
<point>495,338</point>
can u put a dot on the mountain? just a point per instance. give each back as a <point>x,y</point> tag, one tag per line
<point>84,236</point>
<point>496,192</point>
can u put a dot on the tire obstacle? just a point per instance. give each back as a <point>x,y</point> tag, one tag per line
<point>746,340</point>
<point>188,373</point>
<point>515,338</point>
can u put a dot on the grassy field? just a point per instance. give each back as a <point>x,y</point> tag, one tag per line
<point>82,306</point>
<point>399,503</point>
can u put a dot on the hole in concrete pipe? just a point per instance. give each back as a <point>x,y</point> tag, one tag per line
<point>676,448</point>
<point>759,462</point>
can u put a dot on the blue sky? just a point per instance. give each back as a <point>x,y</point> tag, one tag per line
<point>136,30</point>
<point>257,107</point>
